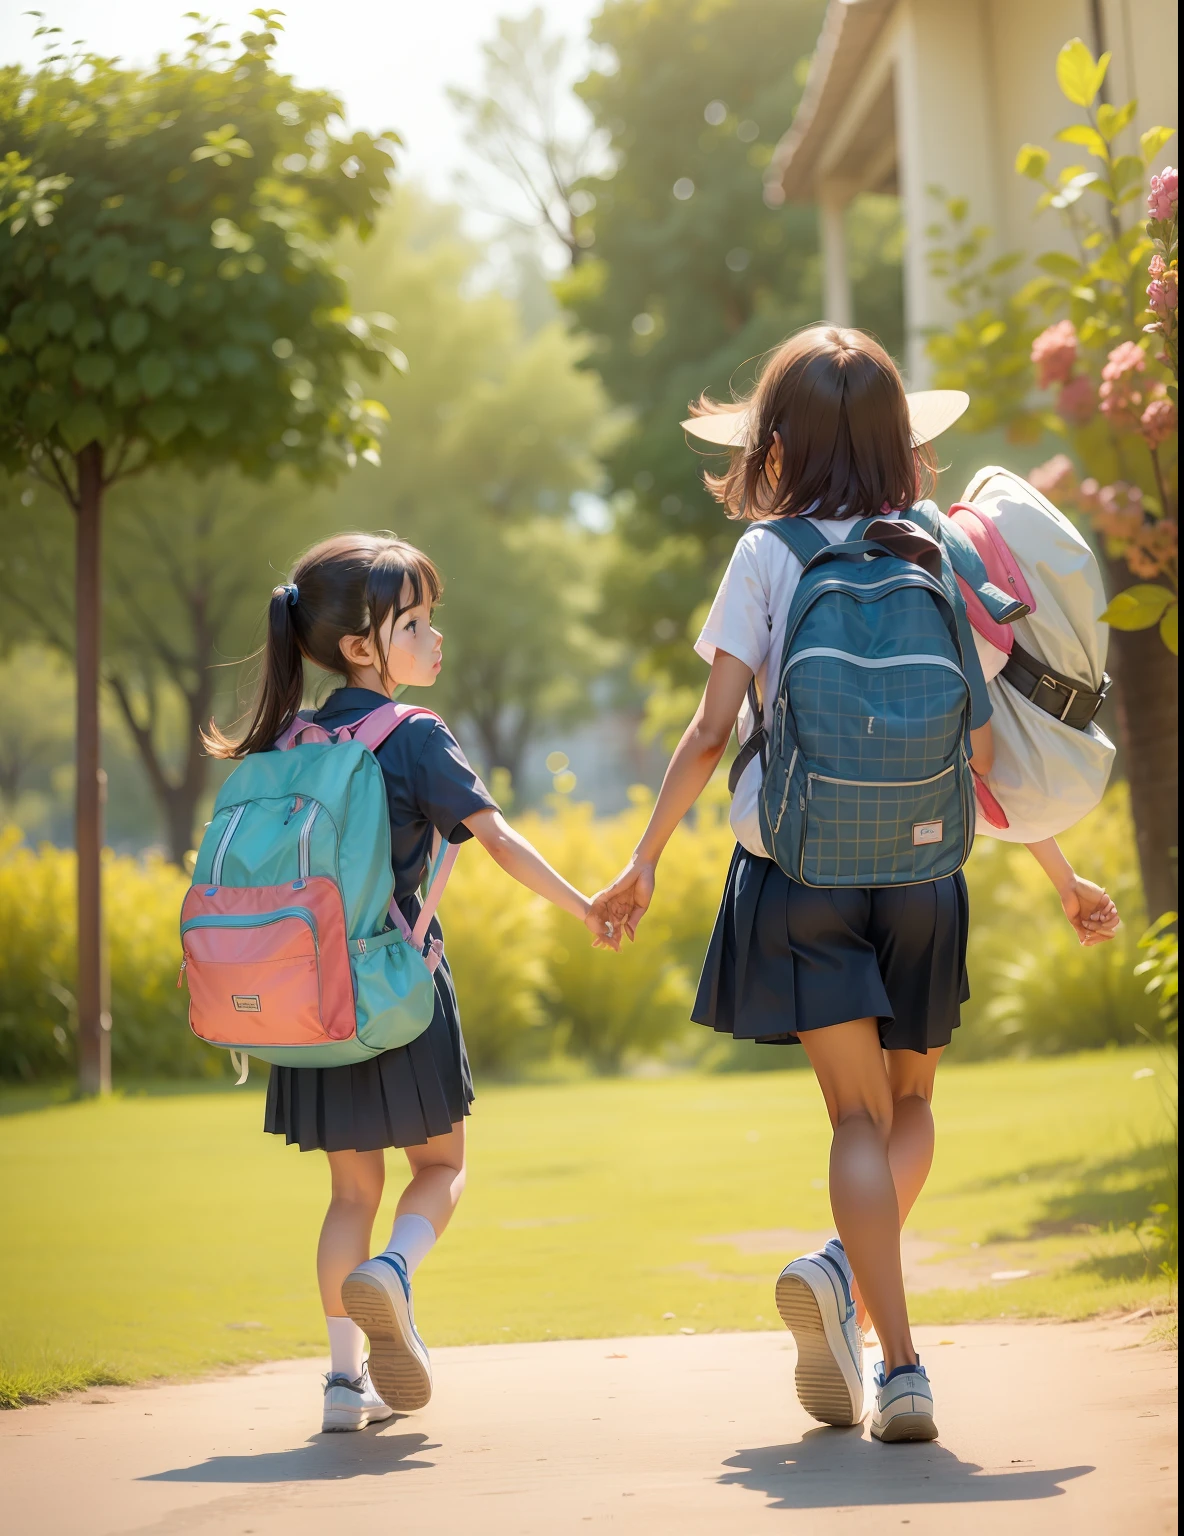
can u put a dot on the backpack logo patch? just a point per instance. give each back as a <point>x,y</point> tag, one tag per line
<point>923,832</point>
<point>250,1004</point>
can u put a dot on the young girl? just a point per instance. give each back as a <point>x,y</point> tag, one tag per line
<point>361,607</point>
<point>868,981</point>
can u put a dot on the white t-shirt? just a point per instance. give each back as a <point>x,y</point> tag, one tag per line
<point>747,620</point>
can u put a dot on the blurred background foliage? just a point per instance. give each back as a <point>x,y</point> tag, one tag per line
<point>537,1001</point>
<point>533,450</point>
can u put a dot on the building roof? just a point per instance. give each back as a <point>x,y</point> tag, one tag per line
<point>850,30</point>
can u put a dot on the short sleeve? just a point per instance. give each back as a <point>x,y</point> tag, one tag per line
<point>446,787</point>
<point>740,620</point>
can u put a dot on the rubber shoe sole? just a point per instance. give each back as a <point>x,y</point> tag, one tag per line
<point>905,1426</point>
<point>399,1371</point>
<point>825,1390</point>
<point>340,1420</point>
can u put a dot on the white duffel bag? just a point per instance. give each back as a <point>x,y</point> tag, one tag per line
<point>1052,761</point>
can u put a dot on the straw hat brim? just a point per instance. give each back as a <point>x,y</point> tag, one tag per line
<point>931,411</point>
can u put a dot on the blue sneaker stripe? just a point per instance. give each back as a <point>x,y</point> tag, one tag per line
<point>386,1258</point>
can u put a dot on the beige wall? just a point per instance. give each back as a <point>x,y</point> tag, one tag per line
<point>973,80</point>
<point>1029,107</point>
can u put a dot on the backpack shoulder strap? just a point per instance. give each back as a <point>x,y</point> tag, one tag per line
<point>800,535</point>
<point>373,729</point>
<point>302,729</point>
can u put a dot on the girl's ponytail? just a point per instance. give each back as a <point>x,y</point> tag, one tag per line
<point>347,585</point>
<point>281,686</point>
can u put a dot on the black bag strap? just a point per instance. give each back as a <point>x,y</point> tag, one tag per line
<point>758,742</point>
<point>1069,701</point>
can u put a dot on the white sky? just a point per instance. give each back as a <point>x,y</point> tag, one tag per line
<point>391,60</point>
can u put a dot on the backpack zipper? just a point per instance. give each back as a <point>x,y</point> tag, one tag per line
<point>306,839</point>
<point>785,792</point>
<point>224,844</point>
<point>917,659</point>
<point>826,778</point>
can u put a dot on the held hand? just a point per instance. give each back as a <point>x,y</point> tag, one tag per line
<point>627,899</point>
<point>603,924</point>
<point>1093,915</point>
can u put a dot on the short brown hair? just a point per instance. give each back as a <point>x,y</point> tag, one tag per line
<point>836,400</point>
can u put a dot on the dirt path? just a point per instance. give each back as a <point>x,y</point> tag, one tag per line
<point>1044,1429</point>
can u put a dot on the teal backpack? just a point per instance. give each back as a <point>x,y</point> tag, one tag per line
<point>287,948</point>
<point>867,776</point>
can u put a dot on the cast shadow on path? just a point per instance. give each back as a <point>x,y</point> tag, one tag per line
<point>836,1467</point>
<point>323,1459</point>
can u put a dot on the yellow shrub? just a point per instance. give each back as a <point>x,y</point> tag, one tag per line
<point>1034,989</point>
<point>495,934</point>
<point>526,975</point>
<point>38,966</point>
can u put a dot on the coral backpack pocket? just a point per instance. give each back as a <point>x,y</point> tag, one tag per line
<point>294,949</point>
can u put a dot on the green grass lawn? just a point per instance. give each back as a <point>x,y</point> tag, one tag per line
<point>164,1233</point>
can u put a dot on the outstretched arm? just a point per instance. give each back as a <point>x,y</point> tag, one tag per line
<point>523,862</point>
<point>695,759</point>
<point>1093,915</point>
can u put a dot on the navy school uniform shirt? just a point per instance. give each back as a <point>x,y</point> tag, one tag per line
<point>429,784</point>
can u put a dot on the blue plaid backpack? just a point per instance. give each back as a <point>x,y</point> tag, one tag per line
<point>867,780</point>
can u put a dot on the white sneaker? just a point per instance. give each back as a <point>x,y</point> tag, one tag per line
<point>904,1405</point>
<point>352,1404</point>
<point>377,1295</point>
<point>814,1300</point>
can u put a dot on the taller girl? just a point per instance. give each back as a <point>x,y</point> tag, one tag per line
<point>360,606</point>
<point>869,981</point>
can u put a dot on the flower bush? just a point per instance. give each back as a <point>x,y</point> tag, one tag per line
<point>530,985</point>
<point>1087,348</point>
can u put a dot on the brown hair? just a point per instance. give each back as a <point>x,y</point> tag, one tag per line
<point>838,404</point>
<point>347,585</point>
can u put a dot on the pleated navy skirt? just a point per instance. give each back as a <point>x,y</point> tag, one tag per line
<point>398,1099</point>
<point>786,958</point>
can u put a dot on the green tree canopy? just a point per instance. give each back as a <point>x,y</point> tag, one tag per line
<point>689,277</point>
<point>491,435</point>
<point>188,564</point>
<point>166,295</point>
<point>165,290</point>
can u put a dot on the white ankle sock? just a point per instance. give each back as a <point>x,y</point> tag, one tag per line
<point>347,1344</point>
<point>412,1238</point>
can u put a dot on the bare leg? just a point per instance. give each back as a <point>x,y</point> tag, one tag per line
<point>852,1074</point>
<point>345,1235</point>
<point>910,1146</point>
<point>437,1178</point>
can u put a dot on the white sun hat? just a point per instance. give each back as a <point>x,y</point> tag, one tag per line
<point>931,411</point>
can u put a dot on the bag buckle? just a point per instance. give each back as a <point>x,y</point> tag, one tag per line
<point>1058,687</point>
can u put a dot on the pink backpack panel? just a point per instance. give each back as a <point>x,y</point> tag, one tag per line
<point>1002,570</point>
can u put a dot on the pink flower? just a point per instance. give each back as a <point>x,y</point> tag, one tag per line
<point>1127,357</point>
<point>1156,267</point>
<point>1119,403</point>
<point>1171,288</point>
<point>1055,479</point>
<point>1054,352</point>
<point>1158,422</point>
<point>1157,298</point>
<point>1163,199</point>
<point>1116,510</point>
<point>1076,400</point>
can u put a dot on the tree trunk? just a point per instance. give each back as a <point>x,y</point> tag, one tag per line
<point>178,798</point>
<point>1146,680</point>
<point>94,1014</point>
